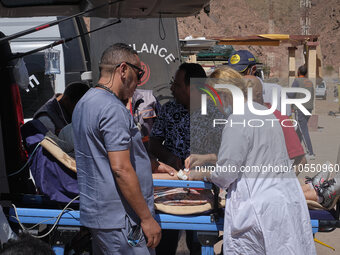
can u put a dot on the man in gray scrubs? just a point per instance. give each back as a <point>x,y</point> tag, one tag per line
<point>114,171</point>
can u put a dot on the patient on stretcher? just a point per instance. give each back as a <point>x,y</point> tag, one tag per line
<point>165,198</point>
<point>169,197</point>
<point>54,172</point>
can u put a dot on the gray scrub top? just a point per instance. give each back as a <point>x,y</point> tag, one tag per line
<point>101,123</point>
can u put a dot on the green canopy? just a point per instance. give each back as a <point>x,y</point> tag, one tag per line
<point>217,51</point>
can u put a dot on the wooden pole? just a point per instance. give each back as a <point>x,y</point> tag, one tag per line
<point>319,62</point>
<point>312,68</point>
<point>192,59</point>
<point>291,65</point>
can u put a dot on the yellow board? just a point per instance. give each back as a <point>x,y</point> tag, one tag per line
<point>272,40</point>
<point>249,42</point>
<point>275,36</point>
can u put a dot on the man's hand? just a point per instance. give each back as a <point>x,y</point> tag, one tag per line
<point>152,232</point>
<point>128,183</point>
<point>164,168</point>
<point>199,160</point>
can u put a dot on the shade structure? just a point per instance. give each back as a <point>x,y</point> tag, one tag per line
<point>120,9</point>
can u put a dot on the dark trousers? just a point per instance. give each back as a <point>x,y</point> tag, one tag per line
<point>169,242</point>
<point>302,131</point>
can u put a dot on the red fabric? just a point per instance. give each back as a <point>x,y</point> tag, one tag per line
<point>183,196</point>
<point>131,108</point>
<point>293,144</point>
<point>20,118</point>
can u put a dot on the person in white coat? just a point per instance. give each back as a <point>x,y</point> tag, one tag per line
<point>266,212</point>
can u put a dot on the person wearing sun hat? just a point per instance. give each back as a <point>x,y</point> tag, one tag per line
<point>243,61</point>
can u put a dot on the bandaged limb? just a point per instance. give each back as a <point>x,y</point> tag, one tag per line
<point>195,175</point>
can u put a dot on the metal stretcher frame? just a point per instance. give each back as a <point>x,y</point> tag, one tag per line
<point>166,221</point>
<point>206,225</point>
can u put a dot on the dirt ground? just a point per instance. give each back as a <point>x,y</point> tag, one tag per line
<point>326,142</point>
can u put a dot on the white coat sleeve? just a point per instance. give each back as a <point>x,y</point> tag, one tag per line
<point>233,152</point>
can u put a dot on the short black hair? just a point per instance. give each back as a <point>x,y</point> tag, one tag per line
<point>116,54</point>
<point>192,70</point>
<point>303,70</point>
<point>26,244</point>
<point>75,90</point>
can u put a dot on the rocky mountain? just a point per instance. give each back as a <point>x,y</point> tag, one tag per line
<point>248,17</point>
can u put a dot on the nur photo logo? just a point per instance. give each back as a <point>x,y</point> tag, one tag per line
<point>238,103</point>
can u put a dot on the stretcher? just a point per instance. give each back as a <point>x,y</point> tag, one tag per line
<point>207,225</point>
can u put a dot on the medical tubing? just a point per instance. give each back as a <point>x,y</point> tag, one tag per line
<point>53,23</point>
<point>29,159</point>
<point>54,225</point>
<point>30,228</point>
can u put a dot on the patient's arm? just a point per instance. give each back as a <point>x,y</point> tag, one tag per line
<point>160,167</point>
<point>164,176</point>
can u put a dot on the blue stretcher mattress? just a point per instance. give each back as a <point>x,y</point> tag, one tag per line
<point>320,215</point>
